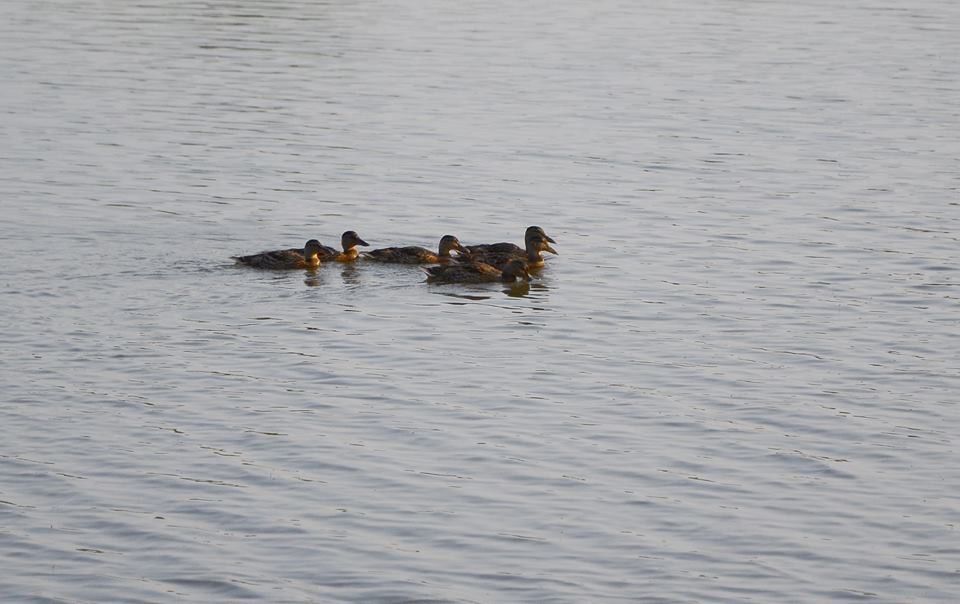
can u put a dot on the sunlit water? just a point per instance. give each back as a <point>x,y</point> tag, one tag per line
<point>737,382</point>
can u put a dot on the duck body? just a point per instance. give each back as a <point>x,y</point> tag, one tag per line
<point>349,242</point>
<point>410,254</point>
<point>413,254</point>
<point>477,272</point>
<point>495,248</point>
<point>308,257</point>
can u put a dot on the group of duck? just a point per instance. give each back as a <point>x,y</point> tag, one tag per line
<point>489,262</point>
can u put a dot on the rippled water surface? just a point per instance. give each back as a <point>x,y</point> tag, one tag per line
<point>737,382</point>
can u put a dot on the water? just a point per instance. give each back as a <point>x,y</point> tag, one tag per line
<point>737,382</point>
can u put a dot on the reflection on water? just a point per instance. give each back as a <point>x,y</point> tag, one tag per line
<point>518,289</point>
<point>736,383</point>
<point>351,274</point>
<point>313,277</point>
<point>458,295</point>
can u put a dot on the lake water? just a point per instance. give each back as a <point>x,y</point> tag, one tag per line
<point>738,382</point>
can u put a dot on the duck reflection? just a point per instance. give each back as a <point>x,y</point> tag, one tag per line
<point>350,274</point>
<point>518,290</point>
<point>535,290</point>
<point>312,278</point>
<point>472,298</point>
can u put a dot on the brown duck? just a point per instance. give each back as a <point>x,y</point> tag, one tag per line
<point>349,241</point>
<point>413,254</point>
<point>308,257</point>
<point>504,247</point>
<point>477,272</point>
<point>533,255</point>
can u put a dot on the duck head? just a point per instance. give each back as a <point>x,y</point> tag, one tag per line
<point>533,231</point>
<point>449,243</point>
<point>350,239</point>
<point>540,243</point>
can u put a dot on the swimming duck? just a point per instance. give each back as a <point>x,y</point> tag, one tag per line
<point>413,254</point>
<point>536,244</point>
<point>477,272</point>
<point>504,247</point>
<point>308,257</point>
<point>349,241</point>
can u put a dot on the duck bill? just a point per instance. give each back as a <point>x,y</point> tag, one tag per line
<point>361,242</point>
<point>549,248</point>
<point>549,238</point>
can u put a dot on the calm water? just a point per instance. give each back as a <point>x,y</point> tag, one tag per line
<point>738,382</point>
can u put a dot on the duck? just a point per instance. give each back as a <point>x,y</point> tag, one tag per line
<point>308,257</point>
<point>349,241</point>
<point>477,272</point>
<point>504,247</point>
<point>413,254</point>
<point>533,255</point>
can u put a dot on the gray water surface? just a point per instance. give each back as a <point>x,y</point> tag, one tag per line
<point>737,382</point>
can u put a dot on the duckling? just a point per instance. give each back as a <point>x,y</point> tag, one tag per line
<point>349,241</point>
<point>413,254</point>
<point>511,248</point>
<point>477,272</point>
<point>308,257</point>
<point>536,244</point>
